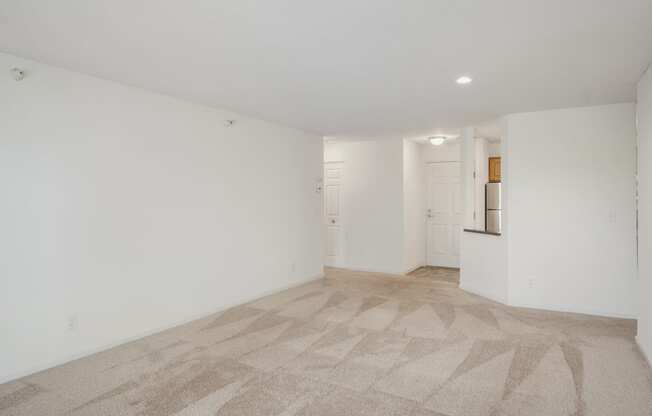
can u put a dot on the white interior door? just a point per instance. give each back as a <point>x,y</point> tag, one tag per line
<point>333,214</point>
<point>445,213</point>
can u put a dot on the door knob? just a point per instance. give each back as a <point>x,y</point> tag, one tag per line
<point>332,221</point>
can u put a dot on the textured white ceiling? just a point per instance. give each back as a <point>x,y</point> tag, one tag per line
<point>349,67</point>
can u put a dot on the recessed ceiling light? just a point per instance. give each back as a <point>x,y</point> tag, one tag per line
<point>464,80</point>
<point>437,140</point>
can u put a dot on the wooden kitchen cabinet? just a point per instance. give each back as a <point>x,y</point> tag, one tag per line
<point>494,169</point>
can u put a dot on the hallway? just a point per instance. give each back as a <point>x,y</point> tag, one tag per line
<point>444,274</point>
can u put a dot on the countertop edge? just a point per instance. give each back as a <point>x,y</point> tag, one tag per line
<point>469,230</point>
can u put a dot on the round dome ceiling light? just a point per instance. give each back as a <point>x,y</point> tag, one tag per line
<point>464,80</point>
<point>437,140</point>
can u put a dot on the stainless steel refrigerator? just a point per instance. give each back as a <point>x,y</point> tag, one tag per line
<point>492,207</point>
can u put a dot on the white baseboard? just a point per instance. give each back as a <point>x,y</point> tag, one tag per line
<point>572,310</point>
<point>483,294</point>
<point>645,356</point>
<point>410,270</point>
<point>367,270</point>
<point>544,308</point>
<point>73,357</point>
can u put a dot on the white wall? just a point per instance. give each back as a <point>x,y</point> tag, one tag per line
<point>372,203</point>
<point>483,265</point>
<point>644,117</point>
<point>571,210</point>
<point>414,206</point>
<point>447,152</point>
<point>480,180</point>
<point>133,211</point>
<point>468,182</point>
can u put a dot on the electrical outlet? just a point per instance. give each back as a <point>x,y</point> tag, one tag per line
<point>293,267</point>
<point>72,323</point>
<point>530,282</point>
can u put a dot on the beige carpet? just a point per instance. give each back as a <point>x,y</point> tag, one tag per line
<point>358,344</point>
